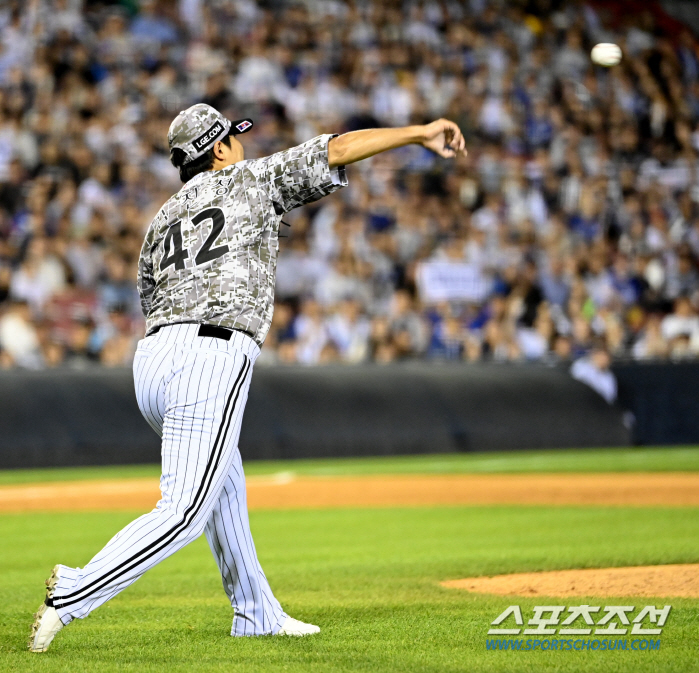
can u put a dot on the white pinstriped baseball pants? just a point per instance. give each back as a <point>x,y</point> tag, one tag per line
<point>192,391</point>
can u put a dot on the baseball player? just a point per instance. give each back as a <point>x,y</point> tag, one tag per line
<point>206,281</point>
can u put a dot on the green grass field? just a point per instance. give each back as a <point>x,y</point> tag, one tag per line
<point>369,578</point>
<point>655,459</point>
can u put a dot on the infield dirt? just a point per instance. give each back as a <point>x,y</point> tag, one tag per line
<point>285,491</point>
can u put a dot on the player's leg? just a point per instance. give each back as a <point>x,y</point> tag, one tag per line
<point>151,366</point>
<point>257,611</point>
<point>202,394</point>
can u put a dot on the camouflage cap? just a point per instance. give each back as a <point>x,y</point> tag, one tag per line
<point>196,129</point>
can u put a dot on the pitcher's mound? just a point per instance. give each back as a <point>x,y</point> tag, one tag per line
<point>652,581</point>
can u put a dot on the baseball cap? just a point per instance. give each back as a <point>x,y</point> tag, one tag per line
<point>196,130</point>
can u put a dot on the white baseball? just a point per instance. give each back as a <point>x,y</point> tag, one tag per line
<point>606,54</point>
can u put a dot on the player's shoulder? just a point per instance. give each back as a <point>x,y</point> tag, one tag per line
<point>275,163</point>
<point>166,214</point>
<point>163,214</point>
<point>159,217</point>
<point>261,170</point>
<point>256,167</point>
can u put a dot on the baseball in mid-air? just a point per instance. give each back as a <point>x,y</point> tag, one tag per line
<point>606,54</point>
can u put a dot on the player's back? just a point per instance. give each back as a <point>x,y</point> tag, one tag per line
<point>210,254</point>
<point>212,250</point>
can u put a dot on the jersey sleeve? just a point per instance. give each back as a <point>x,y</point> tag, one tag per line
<point>301,174</point>
<point>146,280</point>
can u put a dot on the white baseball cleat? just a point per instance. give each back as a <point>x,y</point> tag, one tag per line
<point>46,625</point>
<point>46,621</point>
<point>293,627</point>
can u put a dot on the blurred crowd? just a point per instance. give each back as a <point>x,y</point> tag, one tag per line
<point>570,231</point>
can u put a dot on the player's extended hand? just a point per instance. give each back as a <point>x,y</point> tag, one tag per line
<point>444,138</point>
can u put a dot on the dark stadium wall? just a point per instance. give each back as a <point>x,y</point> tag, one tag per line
<point>422,408</point>
<point>664,401</point>
<point>61,417</point>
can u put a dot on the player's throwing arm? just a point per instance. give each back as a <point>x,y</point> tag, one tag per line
<point>441,136</point>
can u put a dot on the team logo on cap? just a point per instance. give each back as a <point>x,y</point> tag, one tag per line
<point>243,126</point>
<point>212,134</point>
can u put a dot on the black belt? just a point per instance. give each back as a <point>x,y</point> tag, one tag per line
<point>205,330</point>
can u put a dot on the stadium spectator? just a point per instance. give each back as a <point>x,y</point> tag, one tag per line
<point>573,224</point>
<point>19,338</point>
<point>593,370</point>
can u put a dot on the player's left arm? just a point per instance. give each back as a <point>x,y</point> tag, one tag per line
<point>442,137</point>
<point>145,281</point>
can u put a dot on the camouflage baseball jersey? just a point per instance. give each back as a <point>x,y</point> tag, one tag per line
<point>210,254</point>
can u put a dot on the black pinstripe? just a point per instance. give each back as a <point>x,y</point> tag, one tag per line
<point>128,542</point>
<point>193,508</point>
<point>203,376</point>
